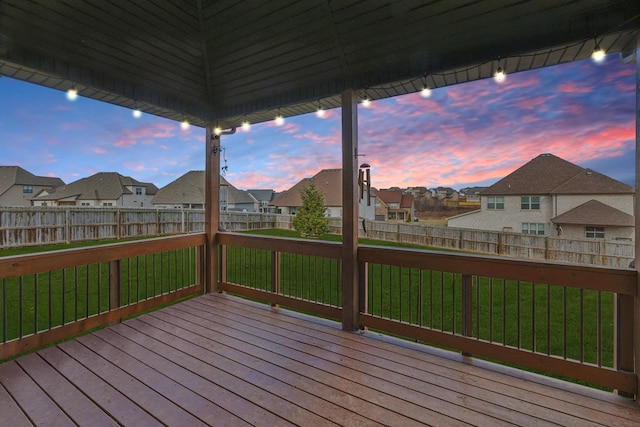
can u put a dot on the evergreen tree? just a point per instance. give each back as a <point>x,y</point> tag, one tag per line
<point>310,219</point>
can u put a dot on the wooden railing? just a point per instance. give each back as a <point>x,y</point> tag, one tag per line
<point>49,296</point>
<point>566,320</point>
<point>300,274</point>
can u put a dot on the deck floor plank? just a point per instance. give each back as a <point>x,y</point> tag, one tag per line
<point>304,377</point>
<point>12,415</point>
<point>72,401</point>
<point>35,403</point>
<point>123,353</point>
<point>220,360</point>
<point>420,406</point>
<point>510,404</point>
<point>161,407</point>
<point>558,397</point>
<point>124,410</point>
<point>428,390</point>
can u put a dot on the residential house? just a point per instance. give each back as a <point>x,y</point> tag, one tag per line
<point>551,196</point>
<point>188,192</point>
<point>264,197</point>
<point>448,193</point>
<point>329,182</point>
<point>101,189</point>
<point>394,205</point>
<point>471,195</point>
<point>18,186</point>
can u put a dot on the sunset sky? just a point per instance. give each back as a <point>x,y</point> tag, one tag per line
<point>464,135</point>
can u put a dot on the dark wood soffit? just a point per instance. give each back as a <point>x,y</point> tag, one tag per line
<point>211,61</point>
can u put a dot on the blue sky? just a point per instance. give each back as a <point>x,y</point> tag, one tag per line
<point>463,135</point>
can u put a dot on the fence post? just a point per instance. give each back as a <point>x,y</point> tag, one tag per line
<point>624,336</point>
<point>467,307</point>
<point>200,263</point>
<point>118,224</point>
<point>67,221</point>
<point>546,248</point>
<point>363,287</point>
<point>115,285</point>
<point>275,274</point>
<point>223,264</point>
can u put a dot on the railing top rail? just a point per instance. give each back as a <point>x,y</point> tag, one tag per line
<point>282,244</point>
<point>19,265</point>
<point>619,280</point>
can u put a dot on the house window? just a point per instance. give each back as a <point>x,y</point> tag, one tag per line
<point>533,228</point>
<point>138,191</point>
<point>530,202</point>
<point>495,202</point>
<point>27,189</point>
<point>85,204</point>
<point>595,232</point>
<point>107,204</point>
<point>394,205</point>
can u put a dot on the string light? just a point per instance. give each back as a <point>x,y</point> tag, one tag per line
<point>366,101</point>
<point>72,93</point>
<point>217,130</point>
<point>136,113</point>
<point>500,76</point>
<point>598,53</point>
<point>320,112</point>
<point>184,125</point>
<point>425,92</point>
<point>245,125</point>
<point>279,118</point>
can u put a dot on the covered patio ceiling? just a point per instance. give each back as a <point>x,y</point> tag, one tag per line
<point>220,62</point>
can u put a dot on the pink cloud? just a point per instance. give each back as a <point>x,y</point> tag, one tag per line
<point>573,87</point>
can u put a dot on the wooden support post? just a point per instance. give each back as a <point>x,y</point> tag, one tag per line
<point>349,210</point>
<point>636,305</point>
<point>212,207</point>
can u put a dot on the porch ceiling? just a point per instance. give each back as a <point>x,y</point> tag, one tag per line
<point>223,61</point>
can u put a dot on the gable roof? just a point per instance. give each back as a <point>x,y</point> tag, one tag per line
<point>404,201</point>
<point>263,194</point>
<point>594,212</point>
<point>328,181</point>
<point>549,174</point>
<point>15,175</point>
<point>190,188</point>
<point>100,186</point>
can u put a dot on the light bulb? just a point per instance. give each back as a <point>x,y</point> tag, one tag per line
<point>598,54</point>
<point>245,126</point>
<point>366,102</point>
<point>279,120</point>
<point>72,94</point>
<point>320,112</point>
<point>500,75</point>
<point>137,114</point>
<point>217,130</point>
<point>426,92</point>
<point>184,125</point>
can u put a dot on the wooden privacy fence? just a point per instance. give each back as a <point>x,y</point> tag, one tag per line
<point>38,226</point>
<point>577,251</point>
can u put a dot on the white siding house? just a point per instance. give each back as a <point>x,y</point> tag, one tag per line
<point>551,196</point>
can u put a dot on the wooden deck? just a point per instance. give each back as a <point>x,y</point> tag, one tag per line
<point>218,360</point>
